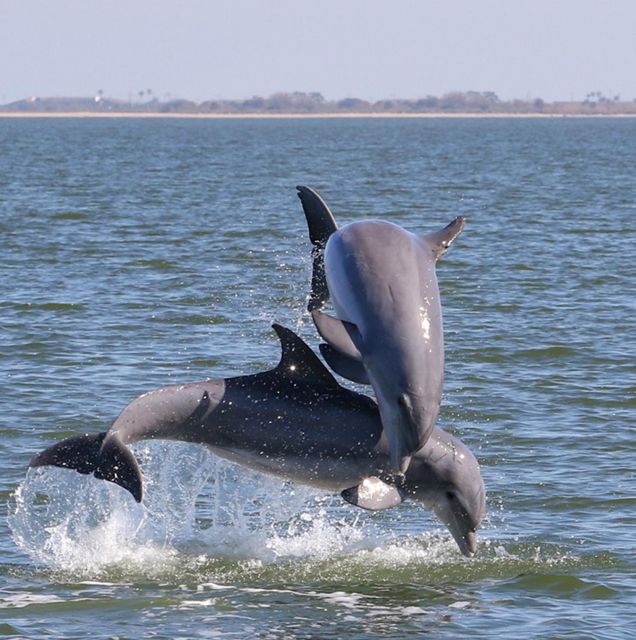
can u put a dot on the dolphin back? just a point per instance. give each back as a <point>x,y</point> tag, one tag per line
<point>91,454</point>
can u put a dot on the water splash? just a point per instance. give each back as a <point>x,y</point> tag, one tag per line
<point>204,516</point>
<point>194,503</point>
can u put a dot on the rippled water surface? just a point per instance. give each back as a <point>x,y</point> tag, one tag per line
<point>140,253</point>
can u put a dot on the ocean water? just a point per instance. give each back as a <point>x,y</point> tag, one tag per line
<point>136,253</point>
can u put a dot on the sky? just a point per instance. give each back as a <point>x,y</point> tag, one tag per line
<point>369,49</point>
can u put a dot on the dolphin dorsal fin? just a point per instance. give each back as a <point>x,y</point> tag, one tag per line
<point>300,363</point>
<point>439,241</point>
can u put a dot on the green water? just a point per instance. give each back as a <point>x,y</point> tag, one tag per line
<point>136,253</point>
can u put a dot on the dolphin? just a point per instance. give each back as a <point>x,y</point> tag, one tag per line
<point>296,422</point>
<point>388,332</point>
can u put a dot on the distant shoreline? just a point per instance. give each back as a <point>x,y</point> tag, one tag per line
<point>302,105</point>
<point>305,116</point>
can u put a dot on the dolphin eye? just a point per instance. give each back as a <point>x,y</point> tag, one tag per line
<point>450,495</point>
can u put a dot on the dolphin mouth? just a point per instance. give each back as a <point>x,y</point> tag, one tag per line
<point>464,535</point>
<point>467,543</point>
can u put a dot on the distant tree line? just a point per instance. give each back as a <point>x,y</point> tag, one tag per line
<point>483,102</point>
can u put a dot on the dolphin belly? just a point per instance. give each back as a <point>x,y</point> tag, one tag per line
<point>384,290</point>
<point>329,474</point>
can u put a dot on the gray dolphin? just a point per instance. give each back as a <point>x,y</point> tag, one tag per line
<point>294,421</point>
<point>388,332</point>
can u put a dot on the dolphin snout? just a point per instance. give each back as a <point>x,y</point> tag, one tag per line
<point>453,515</point>
<point>408,432</point>
<point>468,543</point>
<point>466,539</point>
<point>409,419</point>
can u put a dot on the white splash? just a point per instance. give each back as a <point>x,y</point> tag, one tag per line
<point>193,503</point>
<point>199,510</point>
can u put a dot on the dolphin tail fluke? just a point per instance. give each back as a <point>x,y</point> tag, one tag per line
<point>321,224</point>
<point>320,220</point>
<point>373,494</point>
<point>439,241</point>
<point>80,453</point>
<point>110,460</point>
<point>117,464</point>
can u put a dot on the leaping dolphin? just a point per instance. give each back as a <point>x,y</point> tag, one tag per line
<point>388,332</point>
<point>294,421</point>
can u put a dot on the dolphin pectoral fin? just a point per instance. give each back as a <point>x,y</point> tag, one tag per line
<point>373,494</point>
<point>88,454</point>
<point>339,334</point>
<point>439,241</point>
<point>321,224</point>
<point>344,365</point>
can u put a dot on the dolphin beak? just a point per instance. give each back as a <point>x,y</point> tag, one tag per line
<point>467,543</point>
<point>466,539</point>
<point>455,521</point>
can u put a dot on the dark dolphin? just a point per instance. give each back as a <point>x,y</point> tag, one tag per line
<point>388,332</point>
<point>294,421</point>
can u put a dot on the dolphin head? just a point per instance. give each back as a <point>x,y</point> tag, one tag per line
<point>445,476</point>
<point>461,511</point>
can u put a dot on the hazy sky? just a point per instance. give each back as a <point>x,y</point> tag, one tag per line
<point>202,49</point>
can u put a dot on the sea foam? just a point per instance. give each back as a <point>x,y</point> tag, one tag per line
<point>194,503</point>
